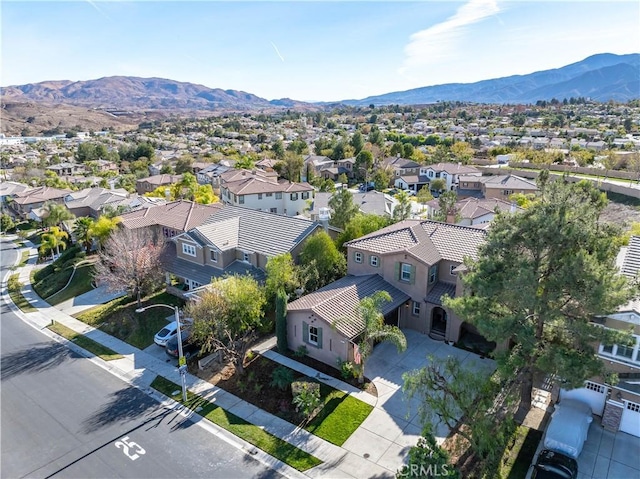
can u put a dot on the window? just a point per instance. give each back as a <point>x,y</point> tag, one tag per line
<point>294,196</point>
<point>305,195</point>
<point>313,335</point>
<point>433,273</point>
<point>405,272</point>
<point>451,269</point>
<point>415,309</point>
<point>357,257</point>
<point>507,192</point>
<point>214,256</point>
<point>430,174</point>
<point>188,249</point>
<point>373,261</point>
<point>269,195</point>
<point>279,195</point>
<point>625,352</point>
<point>259,196</point>
<point>608,349</point>
<point>245,257</point>
<point>241,199</point>
<point>273,210</point>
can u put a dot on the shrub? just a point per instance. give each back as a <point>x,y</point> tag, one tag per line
<point>281,377</point>
<point>301,352</point>
<point>306,397</point>
<point>6,223</point>
<point>347,369</point>
<point>14,284</point>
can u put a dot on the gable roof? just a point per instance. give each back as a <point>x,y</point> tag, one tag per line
<point>257,231</point>
<point>511,182</point>
<point>429,240</point>
<point>398,162</point>
<point>476,207</point>
<point>39,194</point>
<point>252,185</point>
<point>371,202</point>
<point>453,168</point>
<point>179,215</point>
<point>94,198</point>
<point>160,180</point>
<point>337,303</point>
<point>12,187</point>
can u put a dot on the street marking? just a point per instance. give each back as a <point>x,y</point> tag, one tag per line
<point>125,444</point>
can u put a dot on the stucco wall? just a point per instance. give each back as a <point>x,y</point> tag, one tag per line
<point>334,345</point>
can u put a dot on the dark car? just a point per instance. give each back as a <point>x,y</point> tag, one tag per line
<point>189,347</point>
<point>554,465</point>
<point>365,188</point>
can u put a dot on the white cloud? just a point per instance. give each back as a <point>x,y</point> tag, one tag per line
<point>438,42</point>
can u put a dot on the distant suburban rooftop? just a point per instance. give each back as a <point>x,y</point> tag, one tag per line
<point>179,215</point>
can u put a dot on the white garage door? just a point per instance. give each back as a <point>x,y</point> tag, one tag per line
<point>595,395</point>
<point>630,421</point>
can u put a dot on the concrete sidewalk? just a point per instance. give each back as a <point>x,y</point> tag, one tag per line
<point>140,368</point>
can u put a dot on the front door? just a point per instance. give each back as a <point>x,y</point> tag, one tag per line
<point>439,321</point>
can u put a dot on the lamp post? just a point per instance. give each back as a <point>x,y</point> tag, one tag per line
<point>182,362</point>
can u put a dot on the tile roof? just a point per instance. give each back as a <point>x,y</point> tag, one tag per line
<point>179,215</point>
<point>336,303</point>
<point>12,187</point>
<point>398,162</point>
<point>94,198</point>
<point>259,231</point>
<point>631,262</point>
<point>39,194</point>
<point>438,291</point>
<point>511,182</point>
<point>450,242</point>
<point>454,168</point>
<point>160,180</point>
<point>475,207</point>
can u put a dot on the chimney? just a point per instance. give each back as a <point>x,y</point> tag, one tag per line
<point>323,217</point>
<point>167,193</point>
<point>451,218</point>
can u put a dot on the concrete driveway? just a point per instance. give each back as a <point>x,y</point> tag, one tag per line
<point>608,455</point>
<point>88,300</point>
<point>394,426</point>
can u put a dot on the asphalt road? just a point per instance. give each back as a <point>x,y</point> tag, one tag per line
<point>63,416</point>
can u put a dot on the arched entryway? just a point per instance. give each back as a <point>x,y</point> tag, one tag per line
<point>438,323</point>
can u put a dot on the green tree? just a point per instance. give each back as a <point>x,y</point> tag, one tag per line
<point>6,223</point>
<point>281,274</point>
<point>291,166</point>
<point>321,261</point>
<point>343,208</point>
<point>278,149</point>
<point>281,321</point>
<point>438,185</point>
<point>541,277</point>
<point>184,164</point>
<point>227,315</point>
<point>462,152</point>
<point>299,147</point>
<point>424,196</point>
<point>56,214</point>
<point>448,212</point>
<point>402,210</point>
<point>82,232</point>
<point>102,229</point>
<point>374,329</point>
<point>360,225</point>
<point>357,142</point>
<point>428,459</point>
<point>382,178</point>
<point>363,165</point>
<point>53,240</point>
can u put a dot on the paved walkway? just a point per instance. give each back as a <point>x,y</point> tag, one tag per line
<point>377,449</point>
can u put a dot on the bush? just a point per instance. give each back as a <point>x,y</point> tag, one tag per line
<point>347,369</point>
<point>14,284</point>
<point>6,223</point>
<point>67,258</point>
<point>281,377</point>
<point>301,352</point>
<point>306,397</point>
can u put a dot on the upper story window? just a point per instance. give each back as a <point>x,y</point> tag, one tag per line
<point>279,195</point>
<point>357,257</point>
<point>507,192</point>
<point>305,195</point>
<point>430,174</point>
<point>188,249</point>
<point>313,335</point>
<point>433,273</point>
<point>623,353</point>
<point>246,257</point>
<point>259,196</point>
<point>451,269</point>
<point>374,261</point>
<point>294,196</point>
<point>406,272</point>
<point>214,256</point>
<point>241,199</point>
<point>269,195</point>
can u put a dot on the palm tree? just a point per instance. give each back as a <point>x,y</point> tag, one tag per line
<point>53,240</point>
<point>374,329</point>
<point>83,232</point>
<point>56,214</point>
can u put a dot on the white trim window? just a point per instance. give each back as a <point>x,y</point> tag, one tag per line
<point>357,257</point>
<point>246,257</point>
<point>374,261</point>
<point>188,249</point>
<point>621,352</point>
<point>241,199</point>
<point>294,196</point>
<point>313,335</point>
<point>415,308</point>
<point>214,256</point>
<point>405,272</point>
<point>433,273</point>
<point>278,195</point>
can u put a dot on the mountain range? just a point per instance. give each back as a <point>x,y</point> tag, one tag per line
<point>600,77</point>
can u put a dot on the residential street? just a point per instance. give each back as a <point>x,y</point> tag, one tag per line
<point>63,416</point>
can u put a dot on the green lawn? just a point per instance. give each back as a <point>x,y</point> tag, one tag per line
<point>340,416</point>
<point>52,278</point>
<point>517,459</point>
<point>276,447</point>
<point>90,345</point>
<point>80,283</point>
<point>24,257</point>
<point>13,287</point>
<point>118,318</point>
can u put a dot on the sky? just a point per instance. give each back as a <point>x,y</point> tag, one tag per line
<point>304,50</point>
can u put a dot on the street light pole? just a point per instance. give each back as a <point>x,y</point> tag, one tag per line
<point>182,362</point>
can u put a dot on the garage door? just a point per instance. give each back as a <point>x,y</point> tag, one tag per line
<point>592,394</point>
<point>630,421</point>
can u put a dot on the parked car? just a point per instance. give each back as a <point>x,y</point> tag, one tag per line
<point>365,188</point>
<point>189,347</point>
<point>554,465</point>
<point>568,427</point>
<point>166,333</point>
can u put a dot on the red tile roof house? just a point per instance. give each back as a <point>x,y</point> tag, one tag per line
<point>147,185</point>
<point>417,262</point>
<point>26,201</point>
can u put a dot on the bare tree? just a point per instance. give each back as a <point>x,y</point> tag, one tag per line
<point>130,261</point>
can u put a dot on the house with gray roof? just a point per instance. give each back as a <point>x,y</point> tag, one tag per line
<point>503,186</point>
<point>34,198</point>
<point>416,262</point>
<point>234,240</point>
<point>370,202</point>
<point>91,201</point>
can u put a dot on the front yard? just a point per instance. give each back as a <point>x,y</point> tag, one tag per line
<point>118,318</point>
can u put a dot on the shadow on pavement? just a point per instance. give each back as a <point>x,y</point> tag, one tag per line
<point>124,405</point>
<point>34,359</point>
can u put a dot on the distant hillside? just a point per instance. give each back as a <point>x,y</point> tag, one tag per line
<point>600,77</point>
<point>120,92</point>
